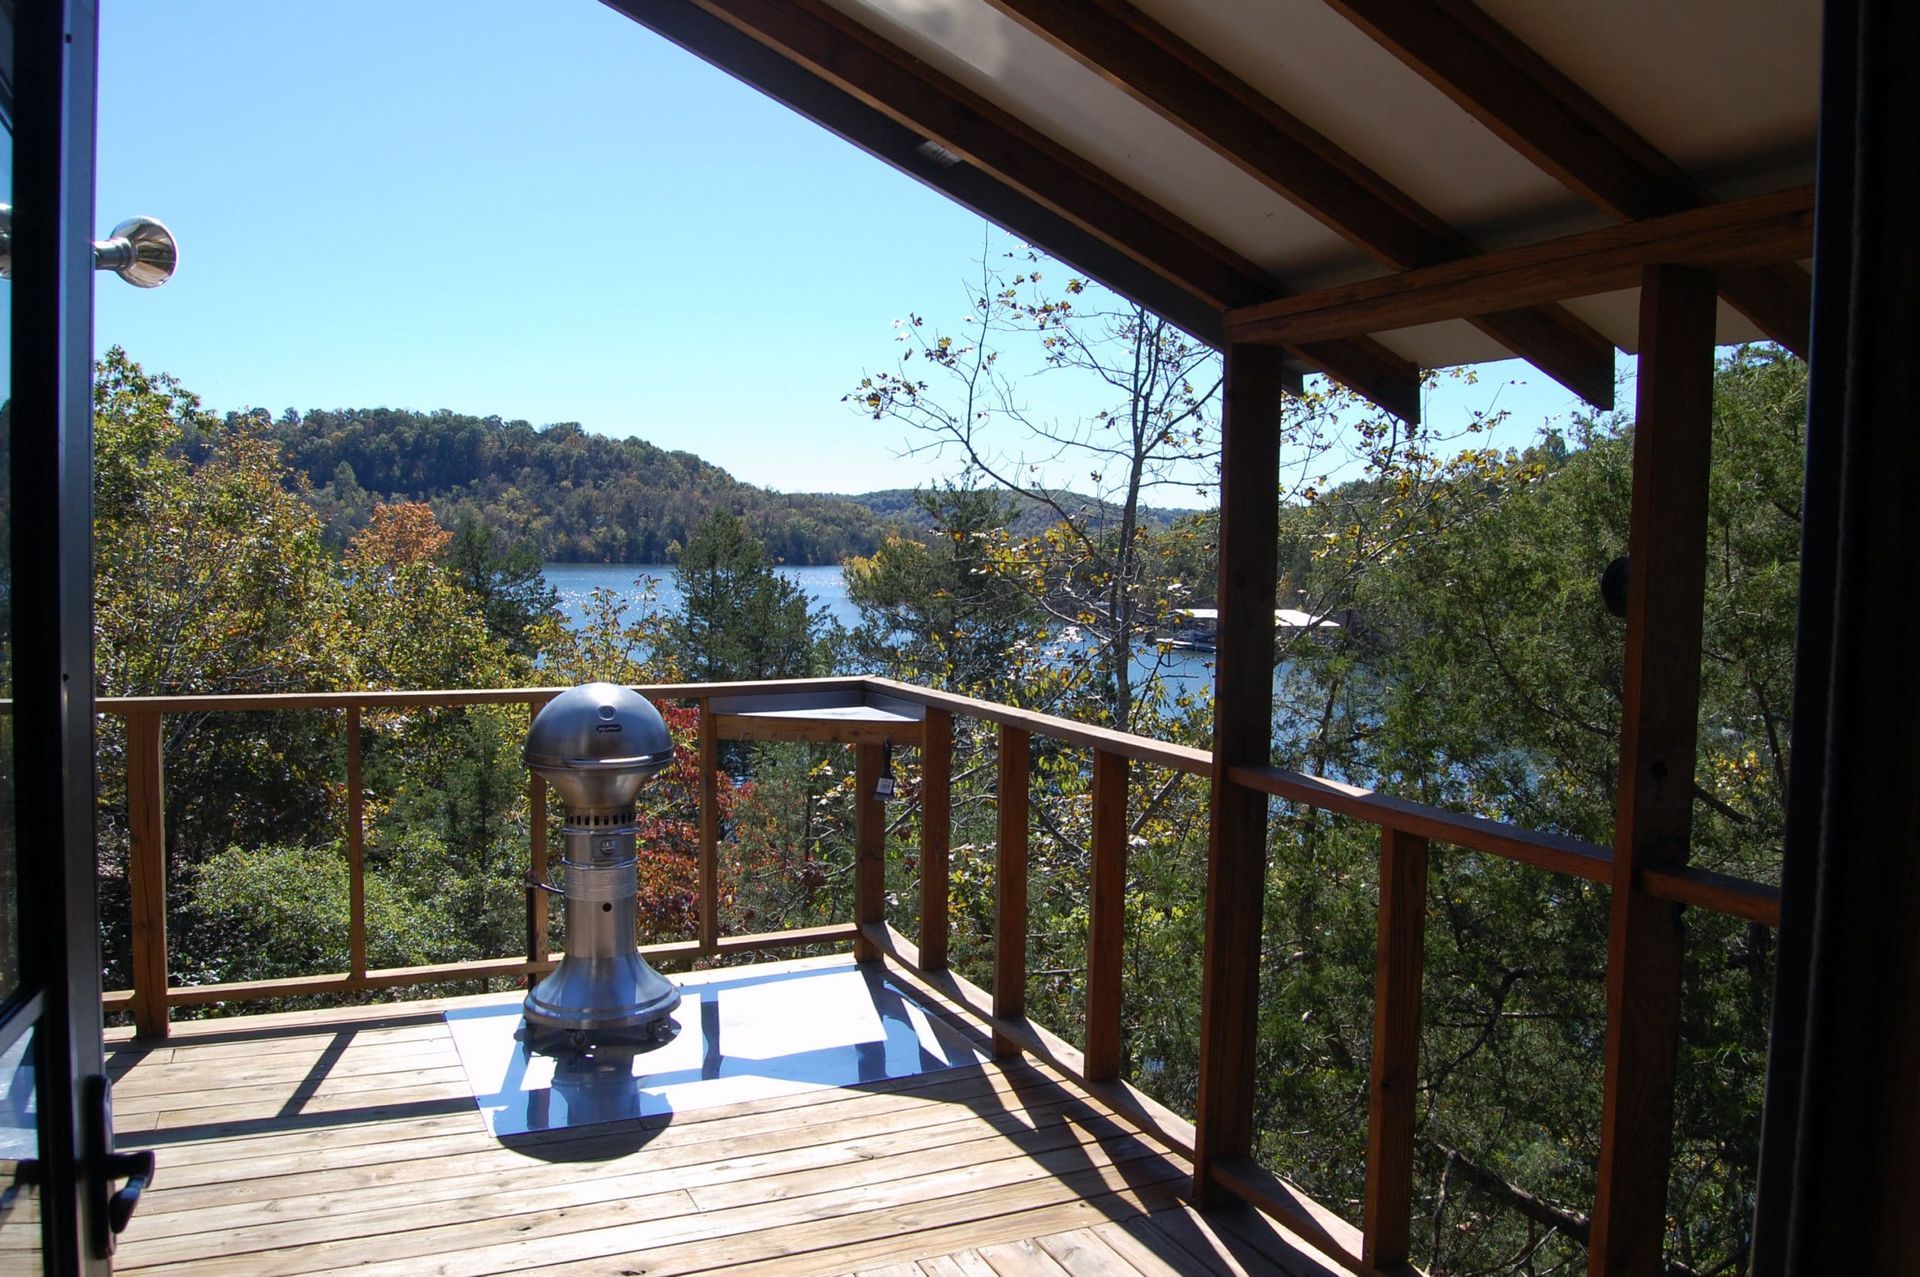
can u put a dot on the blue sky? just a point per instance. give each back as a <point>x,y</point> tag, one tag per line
<point>534,209</point>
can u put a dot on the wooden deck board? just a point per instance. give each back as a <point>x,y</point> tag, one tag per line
<point>427,1175</point>
<point>732,1181</point>
<point>1022,1258</point>
<point>963,1263</point>
<point>1082,1253</point>
<point>386,1145</point>
<point>332,1140</point>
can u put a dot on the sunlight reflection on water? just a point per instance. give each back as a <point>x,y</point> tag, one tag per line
<point>1181,671</point>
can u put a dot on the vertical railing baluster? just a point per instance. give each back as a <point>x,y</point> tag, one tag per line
<point>709,831</point>
<point>869,850</point>
<point>539,844</point>
<point>936,836</point>
<point>1010,884</point>
<point>147,870</point>
<point>1387,1213</point>
<point>356,850</point>
<point>1107,922</point>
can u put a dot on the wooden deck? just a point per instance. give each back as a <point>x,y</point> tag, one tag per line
<point>349,1139</point>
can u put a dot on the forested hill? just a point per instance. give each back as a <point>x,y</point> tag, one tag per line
<point>577,497</point>
<point>1030,516</point>
<point>571,495</point>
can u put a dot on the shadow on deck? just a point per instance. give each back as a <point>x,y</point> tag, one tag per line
<point>325,1140</point>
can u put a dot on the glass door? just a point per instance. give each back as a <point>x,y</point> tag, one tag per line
<point>55,1143</point>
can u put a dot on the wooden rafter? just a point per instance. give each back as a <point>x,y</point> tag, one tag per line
<point>1234,120</point>
<point>893,82</point>
<point>1747,233</point>
<point>1529,104</point>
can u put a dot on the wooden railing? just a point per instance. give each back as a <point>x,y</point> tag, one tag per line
<point>1408,829</point>
<point>153,994</point>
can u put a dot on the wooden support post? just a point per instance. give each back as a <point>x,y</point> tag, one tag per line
<point>1242,736</point>
<point>356,850</point>
<point>1387,1213</point>
<point>1107,923</point>
<point>1010,884</point>
<point>147,871</point>
<point>869,849</point>
<point>709,831</point>
<point>539,844</point>
<point>1653,814</point>
<point>936,836</point>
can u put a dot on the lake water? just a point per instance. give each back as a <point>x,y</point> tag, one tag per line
<point>576,582</point>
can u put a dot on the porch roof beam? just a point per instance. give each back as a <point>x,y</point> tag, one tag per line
<point>1750,233</point>
<point>1530,105</point>
<point>1183,85</point>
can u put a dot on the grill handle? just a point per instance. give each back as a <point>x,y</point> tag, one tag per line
<point>611,764</point>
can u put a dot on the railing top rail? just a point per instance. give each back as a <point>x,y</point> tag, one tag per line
<point>1142,749</point>
<point>1139,748</point>
<point>269,701</point>
<point>1561,853</point>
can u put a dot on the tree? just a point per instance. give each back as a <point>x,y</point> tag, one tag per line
<point>739,618</point>
<point>1151,428</point>
<point>1145,424</point>
<point>412,624</point>
<point>212,576</point>
<point>400,535</point>
<point>208,577</point>
<point>561,492</point>
<point>944,612</point>
<point>520,608</point>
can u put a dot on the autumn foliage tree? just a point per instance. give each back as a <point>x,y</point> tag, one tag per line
<point>398,536</point>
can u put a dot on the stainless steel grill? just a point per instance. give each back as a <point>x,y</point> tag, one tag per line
<point>596,745</point>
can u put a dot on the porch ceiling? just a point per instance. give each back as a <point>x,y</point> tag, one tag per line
<point>1207,155</point>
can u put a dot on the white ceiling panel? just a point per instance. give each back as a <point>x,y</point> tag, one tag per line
<point>1022,74</point>
<point>1729,92</point>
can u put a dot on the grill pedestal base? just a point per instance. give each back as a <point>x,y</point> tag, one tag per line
<point>603,992</point>
<point>601,1000</point>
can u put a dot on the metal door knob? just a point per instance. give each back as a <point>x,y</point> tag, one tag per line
<point>141,251</point>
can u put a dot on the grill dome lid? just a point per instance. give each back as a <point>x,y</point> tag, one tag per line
<point>596,744</point>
